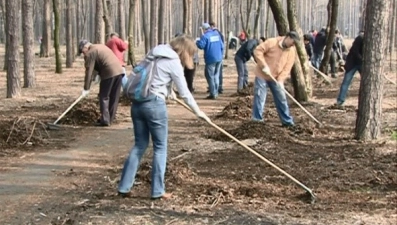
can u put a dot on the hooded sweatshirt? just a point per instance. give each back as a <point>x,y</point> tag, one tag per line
<point>169,69</point>
<point>212,44</point>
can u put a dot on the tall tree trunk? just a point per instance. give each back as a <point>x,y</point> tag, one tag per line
<point>145,24</point>
<point>131,56</point>
<point>58,59</point>
<point>99,38</point>
<point>46,39</point>
<point>228,28</point>
<point>28,46</point>
<point>5,66</point>
<point>153,23</point>
<point>301,78</point>
<point>12,20</point>
<point>106,19</point>
<point>121,18</point>
<point>332,21</point>
<point>69,35</point>
<point>267,20</point>
<point>3,20</point>
<point>161,18</point>
<point>211,13</point>
<point>257,15</point>
<point>187,17</point>
<point>362,14</point>
<point>369,115</point>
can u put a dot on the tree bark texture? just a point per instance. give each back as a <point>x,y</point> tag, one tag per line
<point>121,18</point>
<point>369,114</point>
<point>28,46</point>
<point>131,56</point>
<point>106,19</point>
<point>257,15</point>
<point>301,78</point>
<point>145,24</point>
<point>12,20</point>
<point>99,39</point>
<point>333,19</point>
<point>161,18</point>
<point>58,58</point>
<point>69,34</point>
<point>4,11</point>
<point>46,38</point>
<point>227,28</point>
<point>153,23</point>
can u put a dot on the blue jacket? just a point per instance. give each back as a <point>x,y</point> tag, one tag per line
<point>211,43</point>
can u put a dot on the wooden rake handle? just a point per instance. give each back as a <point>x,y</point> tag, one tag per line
<point>252,151</point>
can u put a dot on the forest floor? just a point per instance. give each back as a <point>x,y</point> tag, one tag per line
<point>70,175</point>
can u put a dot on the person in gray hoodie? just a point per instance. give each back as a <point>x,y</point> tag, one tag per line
<point>150,117</point>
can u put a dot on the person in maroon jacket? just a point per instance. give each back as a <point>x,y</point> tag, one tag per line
<point>118,47</point>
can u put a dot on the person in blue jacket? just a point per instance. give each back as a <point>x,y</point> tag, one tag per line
<point>211,42</point>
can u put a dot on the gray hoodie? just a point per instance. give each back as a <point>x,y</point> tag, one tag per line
<point>169,69</point>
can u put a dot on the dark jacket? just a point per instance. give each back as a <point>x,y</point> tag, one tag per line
<point>247,49</point>
<point>309,50</point>
<point>355,56</point>
<point>320,42</point>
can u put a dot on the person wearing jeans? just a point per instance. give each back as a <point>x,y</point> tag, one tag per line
<point>150,118</point>
<point>280,100</point>
<point>353,64</point>
<point>274,57</point>
<point>243,55</point>
<point>212,44</point>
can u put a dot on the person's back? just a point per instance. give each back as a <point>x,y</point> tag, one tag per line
<point>355,55</point>
<point>104,61</point>
<point>320,42</point>
<point>212,45</point>
<point>118,47</point>
<point>246,50</point>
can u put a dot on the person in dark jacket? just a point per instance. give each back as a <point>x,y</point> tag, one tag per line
<point>318,48</point>
<point>243,55</point>
<point>308,45</point>
<point>353,64</point>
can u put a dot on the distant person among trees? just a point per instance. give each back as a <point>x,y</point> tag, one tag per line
<point>274,57</point>
<point>211,42</point>
<point>118,47</point>
<point>213,27</point>
<point>354,61</point>
<point>100,60</point>
<point>243,55</point>
<point>308,45</point>
<point>318,48</point>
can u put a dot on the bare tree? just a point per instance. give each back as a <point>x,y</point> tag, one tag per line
<point>187,16</point>
<point>245,23</point>
<point>369,115</point>
<point>12,20</point>
<point>331,27</point>
<point>161,18</point>
<point>99,38</point>
<point>227,27</point>
<point>58,58</point>
<point>131,56</point>
<point>121,18</point>
<point>106,18</point>
<point>46,39</point>
<point>257,15</point>
<point>69,37</point>
<point>3,9</point>
<point>145,7</point>
<point>28,47</point>
<point>153,23</point>
<point>301,78</point>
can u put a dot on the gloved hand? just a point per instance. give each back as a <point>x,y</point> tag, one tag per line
<point>266,70</point>
<point>85,93</point>
<point>200,114</point>
<point>97,79</point>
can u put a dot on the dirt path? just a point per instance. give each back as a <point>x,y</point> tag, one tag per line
<point>214,180</point>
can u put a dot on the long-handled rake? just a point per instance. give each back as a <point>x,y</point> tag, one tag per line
<point>54,126</point>
<point>308,190</point>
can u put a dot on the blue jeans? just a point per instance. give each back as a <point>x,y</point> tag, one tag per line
<point>280,100</point>
<point>242,72</point>
<point>124,79</point>
<point>148,118</point>
<point>212,73</point>
<point>316,59</point>
<point>347,80</point>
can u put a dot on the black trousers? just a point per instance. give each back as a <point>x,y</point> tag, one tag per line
<point>189,76</point>
<point>109,95</point>
<point>333,62</point>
